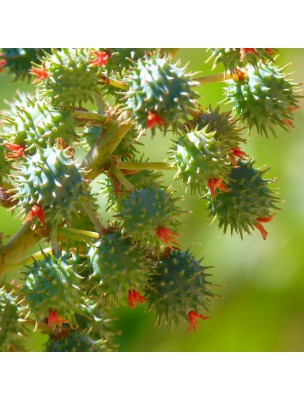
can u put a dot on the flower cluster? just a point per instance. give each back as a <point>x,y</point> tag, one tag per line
<point>119,241</point>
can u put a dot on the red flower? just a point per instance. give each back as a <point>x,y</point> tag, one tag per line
<point>135,297</point>
<point>288,122</point>
<point>2,65</point>
<point>154,120</point>
<point>261,227</point>
<point>37,211</point>
<point>102,58</point>
<point>236,152</point>
<point>216,183</point>
<point>243,53</point>
<point>55,319</point>
<point>166,235</point>
<point>239,74</point>
<point>193,316</point>
<point>40,73</point>
<point>16,150</point>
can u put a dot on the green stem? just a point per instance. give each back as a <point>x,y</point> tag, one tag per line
<point>146,166</point>
<point>77,234</point>
<point>54,239</point>
<point>101,105</point>
<point>87,206</point>
<point>88,116</point>
<point>13,251</point>
<point>223,76</point>
<point>99,156</point>
<point>106,80</point>
<point>126,183</point>
<point>39,255</point>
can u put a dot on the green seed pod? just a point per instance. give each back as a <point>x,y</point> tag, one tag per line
<point>52,284</point>
<point>19,60</point>
<point>200,157</point>
<point>162,89</point>
<point>263,98</point>
<point>232,58</point>
<point>122,59</point>
<point>71,80</point>
<point>248,199</point>
<point>115,193</point>
<point>31,120</point>
<point>53,181</point>
<point>226,129</point>
<point>177,284</point>
<point>11,311</point>
<point>75,342</point>
<point>118,266</point>
<point>144,211</point>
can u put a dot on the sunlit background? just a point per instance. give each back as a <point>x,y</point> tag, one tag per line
<point>262,304</point>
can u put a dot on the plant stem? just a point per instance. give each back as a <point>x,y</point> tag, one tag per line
<point>87,206</point>
<point>77,234</point>
<point>146,166</point>
<point>101,105</point>
<point>88,116</point>
<point>223,76</point>
<point>106,80</point>
<point>38,256</point>
<point>128,185</point>
<point>13,251</point>
<point>99,156</point>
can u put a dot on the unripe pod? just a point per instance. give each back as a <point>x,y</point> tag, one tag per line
<point>51,180</point>
<point>69,79</point>
<point>177,284</point>
<point>161,89</point>
<point>263,97</point>
<point>200,157</point>
<point>32,119</point>
<point>52,284</point>
<point>144,211</point>
<point>11,311</point>
<point>247,200</point>
<point>118,266</point>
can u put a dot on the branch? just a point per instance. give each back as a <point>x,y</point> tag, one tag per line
<point>146,166</point>
<point>223,76</point>
<point>12,253</point>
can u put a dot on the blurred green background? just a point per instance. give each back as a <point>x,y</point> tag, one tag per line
<point>262,308</point>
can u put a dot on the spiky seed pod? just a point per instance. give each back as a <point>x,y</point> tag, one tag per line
<point>226,128</point>
<point>115,193</point>
<point>177,284</point>
<point>118,267</point>
<point>11,311</point>
<point>144,211</point>
<point>32,119</point>
<point>263,98</point>
<point>122,59</point>
<point>125,150</point>
<point>52,283</point>
<point>70,79</point>
<point>232,58</point>
<point>75,342</point>
<point>200,157</point>
<point>53,181</point>
<point>19,60</point>
<point>249,198</point>
<point>160,88</point>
